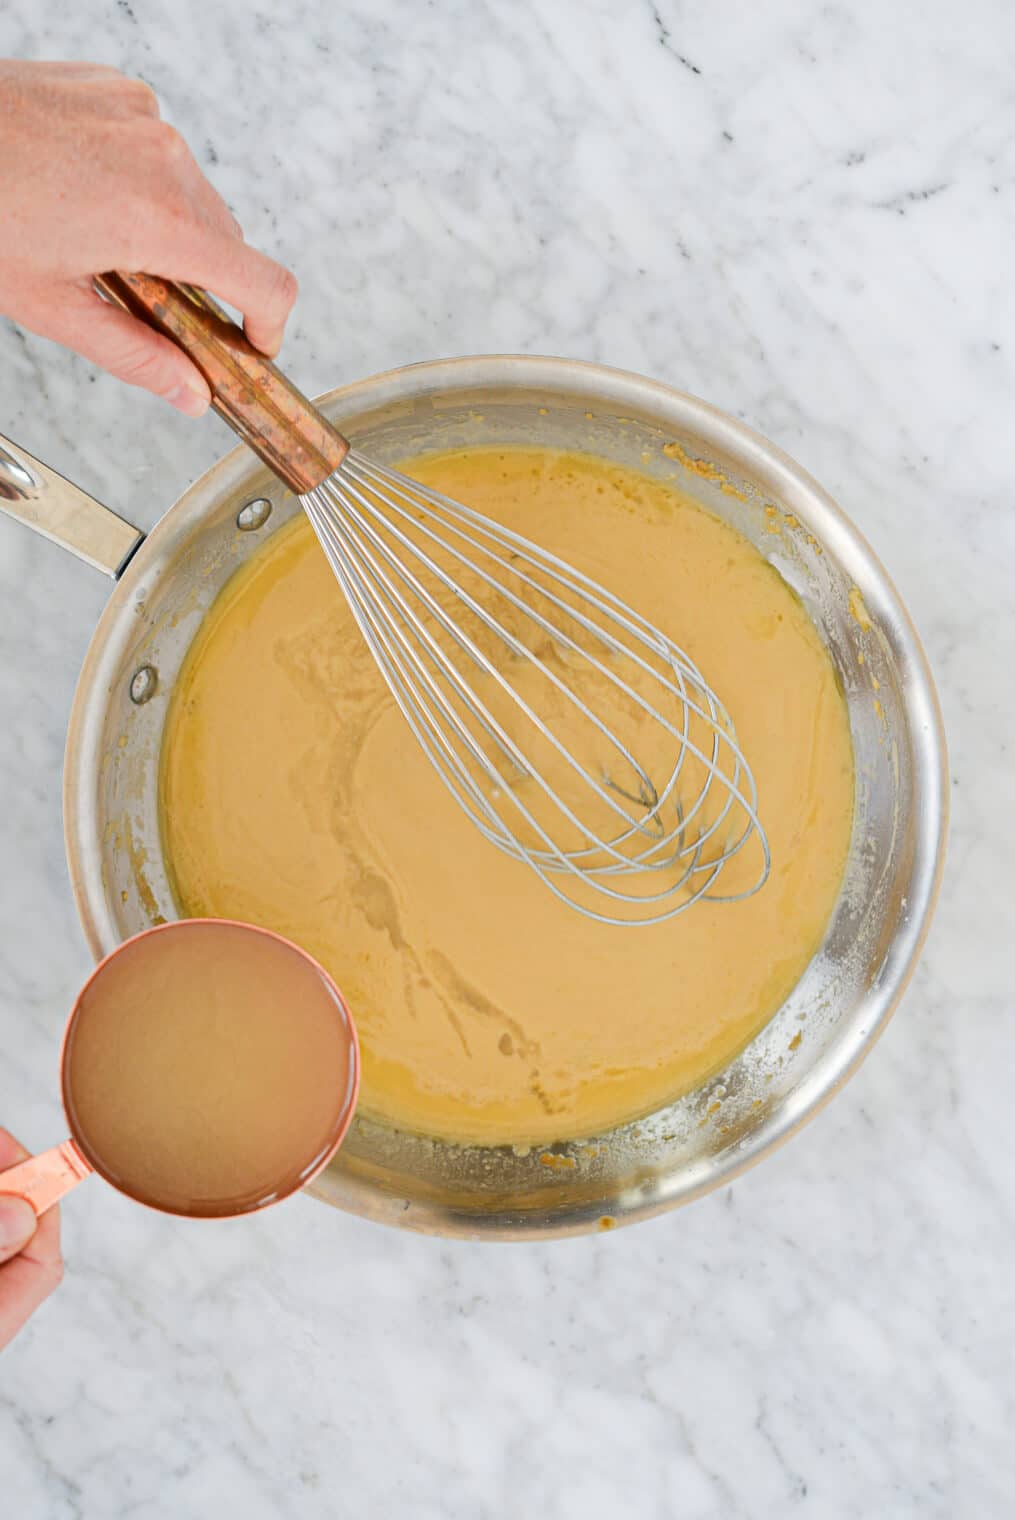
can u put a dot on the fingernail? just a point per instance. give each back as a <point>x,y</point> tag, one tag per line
<point>186,399</point>
<point>17,1223</point>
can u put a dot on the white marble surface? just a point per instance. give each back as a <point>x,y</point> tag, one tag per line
<point>804,214</point>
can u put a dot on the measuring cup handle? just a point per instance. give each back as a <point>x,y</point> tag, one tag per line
<point>44,1179</point>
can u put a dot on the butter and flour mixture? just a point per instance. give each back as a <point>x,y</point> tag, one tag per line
<point>294,796</point>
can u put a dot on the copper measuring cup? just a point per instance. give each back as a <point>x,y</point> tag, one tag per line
<point>44,1179</point>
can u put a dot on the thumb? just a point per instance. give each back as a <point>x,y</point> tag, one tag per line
<point>130,350</point>
<point>17,1225</point>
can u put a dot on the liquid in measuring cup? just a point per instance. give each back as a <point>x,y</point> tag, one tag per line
<point>208,1072</point>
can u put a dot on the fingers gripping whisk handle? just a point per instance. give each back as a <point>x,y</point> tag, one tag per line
<point>248,391</point>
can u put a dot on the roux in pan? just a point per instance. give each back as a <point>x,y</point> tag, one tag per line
<point>294,796</point>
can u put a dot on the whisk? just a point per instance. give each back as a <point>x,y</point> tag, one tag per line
<point>577,737</point>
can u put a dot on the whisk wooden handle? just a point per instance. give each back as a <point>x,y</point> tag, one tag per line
<point>258,402</point>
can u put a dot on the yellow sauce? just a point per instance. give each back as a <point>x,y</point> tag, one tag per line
<point>294,796</point>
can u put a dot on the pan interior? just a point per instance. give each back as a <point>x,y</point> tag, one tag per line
<point>114,843</point>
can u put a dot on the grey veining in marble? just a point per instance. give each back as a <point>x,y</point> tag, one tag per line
<point>805,214</point>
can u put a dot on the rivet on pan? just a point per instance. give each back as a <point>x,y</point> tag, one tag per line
<point>143,684</point>
<point>254,515</point>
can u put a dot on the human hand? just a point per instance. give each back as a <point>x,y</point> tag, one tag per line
<point>91,180</point>
<point>30,1262</point>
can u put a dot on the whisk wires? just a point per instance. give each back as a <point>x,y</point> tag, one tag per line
<point>577,737</point>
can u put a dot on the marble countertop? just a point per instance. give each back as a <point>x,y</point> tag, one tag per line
<point>806,216</point>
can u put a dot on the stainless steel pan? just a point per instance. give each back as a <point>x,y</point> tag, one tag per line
<point>165,584</point>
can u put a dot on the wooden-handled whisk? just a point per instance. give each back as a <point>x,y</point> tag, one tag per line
<point>578,737</point>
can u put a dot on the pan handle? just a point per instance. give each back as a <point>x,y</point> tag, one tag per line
<point>34,494</point>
